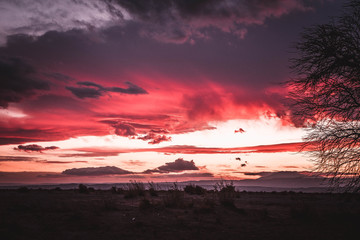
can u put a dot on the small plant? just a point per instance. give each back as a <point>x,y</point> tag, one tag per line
<point>83,189</point>
<point>115,190</point>
<point>224,186</point>
<point>134,189</point>
<point>23,189</point>
<point>153,188</point>
<point>226,193</point>
<point>174,197</point>
<point>194,189</point>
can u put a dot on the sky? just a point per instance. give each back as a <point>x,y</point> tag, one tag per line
<point>172,90</point>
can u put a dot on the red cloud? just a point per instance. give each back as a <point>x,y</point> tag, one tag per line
<point>155,138</point>
<point>274,148</point>
<point>186,149</point>
<point>177,102</point>
<point>124,129</point>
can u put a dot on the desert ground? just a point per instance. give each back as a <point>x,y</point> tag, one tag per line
<point>147,213</point>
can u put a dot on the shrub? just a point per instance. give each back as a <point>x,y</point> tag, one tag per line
<point>23,189</point>
<point>223,186</point>
<point>194,189</point>
<point>115,190</point>
<point>174,197</point>
<point>226,193</point>
<point>153,188</point>
<point>83,189</point>
<point>135,189</point>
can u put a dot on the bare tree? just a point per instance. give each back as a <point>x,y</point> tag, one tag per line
<point>325,95</point>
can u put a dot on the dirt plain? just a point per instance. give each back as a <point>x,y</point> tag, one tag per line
<point>175,214</point>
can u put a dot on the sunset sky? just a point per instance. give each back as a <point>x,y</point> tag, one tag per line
<point>170,90</point>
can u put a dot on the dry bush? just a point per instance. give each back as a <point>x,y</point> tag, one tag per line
<point>153,189</point>
<point>134,189</point>
<point>174,197</point>
<point>83,189</point>
<point>194,189</point>
<point>226,193</point>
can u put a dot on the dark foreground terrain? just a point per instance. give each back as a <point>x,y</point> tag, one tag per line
<point>136,213</point>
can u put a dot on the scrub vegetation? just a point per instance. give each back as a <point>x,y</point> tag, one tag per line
<point>176,213</point>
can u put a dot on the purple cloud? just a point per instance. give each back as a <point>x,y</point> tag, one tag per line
<point>34,148</point>
<point>178,165</point>
<point>96,171</point>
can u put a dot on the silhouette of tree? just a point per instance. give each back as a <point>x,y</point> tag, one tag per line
<point>325,95</point>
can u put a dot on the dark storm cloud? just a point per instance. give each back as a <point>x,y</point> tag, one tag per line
<point>175,21</point>
<point>58,76</point>
<point>215,61</point>
<point>131,89</point>
<point>90,84</point>
<point>94,90</point>
<point>82,92</point>
<point>34,148</point>
<point>18,80</point>
<point>39,16</point>
<point>179,21</point>
<point>178,165</point>
<point>96,171</point>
